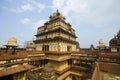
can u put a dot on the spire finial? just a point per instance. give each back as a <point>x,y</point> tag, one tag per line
<point>57,11</point>
<point>115,36</point>
<point>118,34</point>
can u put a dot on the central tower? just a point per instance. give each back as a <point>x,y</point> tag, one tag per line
<point>56,35</point>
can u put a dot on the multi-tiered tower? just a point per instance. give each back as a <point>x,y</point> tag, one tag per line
<point>57,39</point>
<point>56,35</point>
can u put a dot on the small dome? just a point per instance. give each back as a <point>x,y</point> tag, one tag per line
<point>12,42</point>
<point>113,41</point>
<point>102,43</point>
<point>30,44</point>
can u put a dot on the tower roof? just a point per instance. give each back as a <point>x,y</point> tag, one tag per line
<point>113,41</point>
<point>56,14</point>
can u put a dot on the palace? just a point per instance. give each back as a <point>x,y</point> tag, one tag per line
<point>56,55</point>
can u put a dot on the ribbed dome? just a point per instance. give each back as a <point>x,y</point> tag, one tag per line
<point>102,42</point>
<point>30,44</point>
<point>12,42</point>
<point>113,41</point>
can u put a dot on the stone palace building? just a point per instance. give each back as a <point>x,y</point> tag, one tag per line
<point>56,55</point>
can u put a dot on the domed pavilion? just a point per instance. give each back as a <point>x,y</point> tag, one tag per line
<point>102,44</point>
<point>11,45</point>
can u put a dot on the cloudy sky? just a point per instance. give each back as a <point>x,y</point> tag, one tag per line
<point>92,19</point>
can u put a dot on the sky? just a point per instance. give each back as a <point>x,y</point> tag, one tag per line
<point>92,20</point>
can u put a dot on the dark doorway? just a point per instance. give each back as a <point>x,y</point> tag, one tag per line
<point>9,77</point>
<point>69,48</point>
<point>73,78</point>
<point>45,47</point>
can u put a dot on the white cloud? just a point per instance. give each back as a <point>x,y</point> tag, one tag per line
<point>38,24</point>
<point>39,6</point>
<point>25,21</point>
<point>101,13</point>
<point>23,8</point>
<point>35,24</point>
<point>92,18</point>
<point>58,4</point>
<point>29,5</point>
<point>98,13</point>
<point>68,6</point>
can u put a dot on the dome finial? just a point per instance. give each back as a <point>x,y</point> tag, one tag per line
<point>118,34</point>
<point>115,36</point>
<point>57,11</point>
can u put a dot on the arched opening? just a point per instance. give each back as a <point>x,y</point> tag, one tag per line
<point>73,78</point>
<point>45,47</point>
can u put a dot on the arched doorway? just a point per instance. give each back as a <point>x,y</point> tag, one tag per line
<point>74,78</point>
